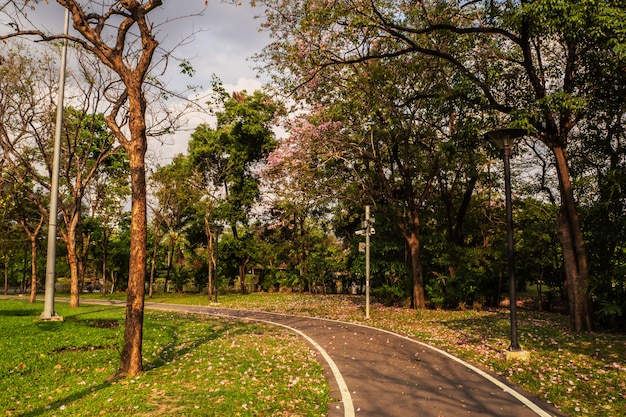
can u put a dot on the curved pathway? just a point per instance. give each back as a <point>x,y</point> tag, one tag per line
<point>377,373</point>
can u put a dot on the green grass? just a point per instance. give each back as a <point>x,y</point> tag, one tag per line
<point>581,374</point>
<point>195,366</point>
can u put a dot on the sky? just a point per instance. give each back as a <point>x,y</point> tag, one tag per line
<point>223,40</point>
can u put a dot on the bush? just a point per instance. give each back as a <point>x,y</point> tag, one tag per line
<point>390,295</point>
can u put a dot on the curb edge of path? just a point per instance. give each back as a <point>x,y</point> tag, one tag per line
<point>346,398</point>
<point>345,393</point>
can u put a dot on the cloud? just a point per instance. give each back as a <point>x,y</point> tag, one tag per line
<point>219,42</point>
<point>223,40</point>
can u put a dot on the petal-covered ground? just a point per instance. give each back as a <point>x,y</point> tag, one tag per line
<point>579,373</point>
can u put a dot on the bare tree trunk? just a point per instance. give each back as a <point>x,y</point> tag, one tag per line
<point>242,277</point>
<point>33,268</point>
<point>131,361</point>
<point>113,279</point>
<point>32,236</point>
<point>210,258</point>
<point>412,237</point>
<point>418,299</point>
<point>170,256</point>
<point>73,263</point>
<point>69,237</point>
<point>104,269</point>
<point>210,278</point>
<point>573,248</point>
<point>94,282</point>
<point>6,275</point>
<point>152,269</point>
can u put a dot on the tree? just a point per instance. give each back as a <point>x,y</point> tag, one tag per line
<point>25,97</point>
<point>176,198</point>
<point>121,35</point>
<point>132,70</point>
<point>599,161</point>
<point>526,60</point>
<point>12,241</point>
<point>204,228</point>
<point>301,197</point>
<point>397,160</point>
<point>106,198</point>
<point>230,154</point>
<point>31,218</point>
<point>88,144</point>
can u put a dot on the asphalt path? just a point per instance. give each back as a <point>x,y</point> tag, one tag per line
<point>376,373</point>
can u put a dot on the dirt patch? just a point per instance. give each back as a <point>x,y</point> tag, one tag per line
<point>82,348</point>
<point>104,323</point>
<point>98,323</point>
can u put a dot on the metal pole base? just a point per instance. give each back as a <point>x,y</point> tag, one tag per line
<point>520,355</point>
<point>51,318</point>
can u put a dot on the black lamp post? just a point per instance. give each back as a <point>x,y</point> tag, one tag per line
<point>505,139</point>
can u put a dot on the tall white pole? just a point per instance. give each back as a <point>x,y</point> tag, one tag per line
<point>48,310</point>
<point>367,261</point>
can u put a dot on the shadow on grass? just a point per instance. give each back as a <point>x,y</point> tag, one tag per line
<point>540,332</point>
<point>167,354</point>
<point>56,405</point>
<point>49,326</point>
<point>74,318</point>
<point>74,314</point>
<point>479,329</point>
<point>162,359</point>
<point>20,312</point>
<point>100,323</point>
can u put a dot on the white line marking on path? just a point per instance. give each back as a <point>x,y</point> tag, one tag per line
<point>504,387</point>
<point>346,398</point>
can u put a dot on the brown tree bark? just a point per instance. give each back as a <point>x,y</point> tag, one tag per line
<point>210,256</point>
<point>554,131</point>
<point>136,147</point>
<point>242,277</point>
<point>6,275</point>
<point>153,264</point>
<point>410,231</point>
<point>69,237</point>
<point>131,360</point>
<point>33,268</point>
<point>32,236</point>
<point>418,298</point>
<point>132,73</point>
<point>573,247</point>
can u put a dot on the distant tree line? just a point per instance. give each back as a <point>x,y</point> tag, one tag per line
<point>392,101</point>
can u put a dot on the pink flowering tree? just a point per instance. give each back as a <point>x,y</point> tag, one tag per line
<point>525,62</point>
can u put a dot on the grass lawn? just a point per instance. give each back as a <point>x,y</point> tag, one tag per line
<point>195,366</point>
<point>582,374</point>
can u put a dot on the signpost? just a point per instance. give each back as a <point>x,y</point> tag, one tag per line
<point>368,230</point>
